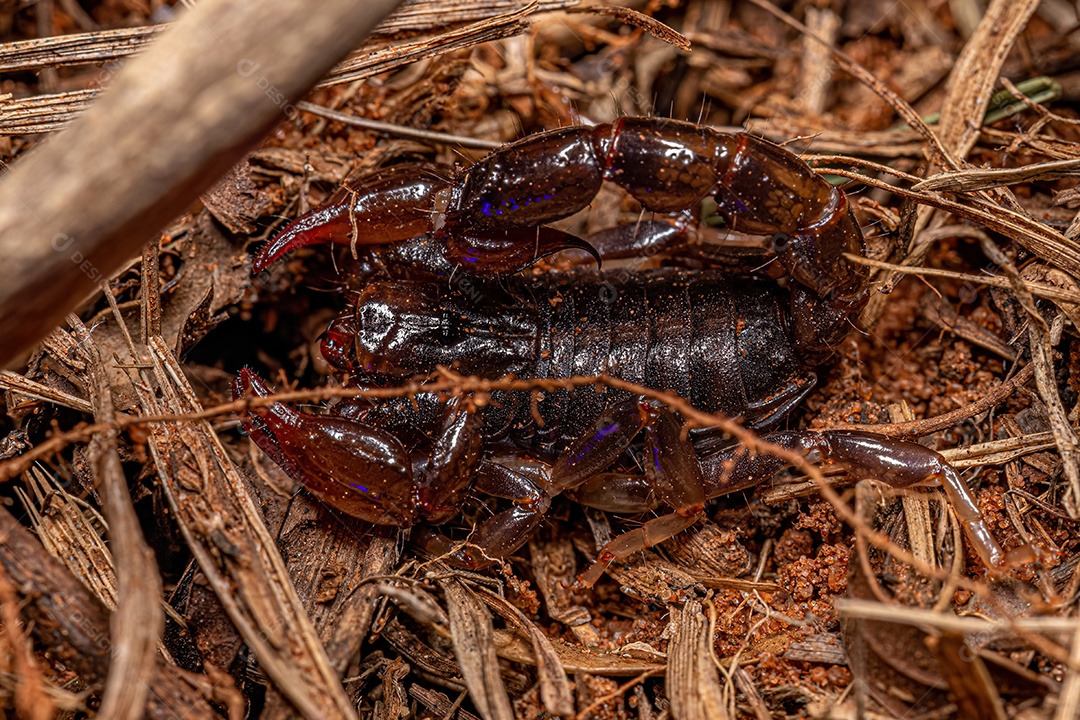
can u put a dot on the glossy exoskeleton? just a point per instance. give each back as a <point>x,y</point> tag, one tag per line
<point>743,347</point>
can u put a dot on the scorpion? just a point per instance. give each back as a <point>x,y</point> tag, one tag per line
<point>741,346</point>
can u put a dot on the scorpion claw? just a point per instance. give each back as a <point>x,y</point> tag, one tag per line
<point>396,203</point>
<point>359,469</point>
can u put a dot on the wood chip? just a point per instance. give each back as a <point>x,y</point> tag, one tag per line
<point>823,648</point>
<point>692,682</point>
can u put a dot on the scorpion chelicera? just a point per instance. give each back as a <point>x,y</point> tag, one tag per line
<point>743,347</point>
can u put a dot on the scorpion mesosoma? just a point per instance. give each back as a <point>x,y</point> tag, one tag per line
<point>743,347</point>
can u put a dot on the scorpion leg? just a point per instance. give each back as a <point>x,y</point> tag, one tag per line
<point>503,533</point>
<point>494,539</point>
<point>896,462</point>
<point>615,492</point>
<point>595,450</point>
<point>520,479</point>
<point>449,471</point>
<point>673,471</point>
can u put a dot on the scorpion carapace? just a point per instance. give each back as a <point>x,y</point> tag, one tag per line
<point>742,347</point>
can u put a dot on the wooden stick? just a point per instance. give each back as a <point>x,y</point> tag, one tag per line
<point>172,122</point>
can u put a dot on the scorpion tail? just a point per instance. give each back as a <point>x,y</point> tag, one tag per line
<point>767,190</point>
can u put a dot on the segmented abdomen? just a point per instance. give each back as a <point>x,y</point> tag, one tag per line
<point>724,345</point>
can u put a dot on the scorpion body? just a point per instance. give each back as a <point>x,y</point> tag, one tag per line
<point>742,347</point>
<point>724,346</point>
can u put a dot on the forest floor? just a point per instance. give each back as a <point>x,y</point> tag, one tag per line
<point>784,600</point>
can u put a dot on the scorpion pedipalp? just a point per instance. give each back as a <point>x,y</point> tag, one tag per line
<point>364,470</point>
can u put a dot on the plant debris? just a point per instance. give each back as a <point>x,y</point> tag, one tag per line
<point>154,562</point>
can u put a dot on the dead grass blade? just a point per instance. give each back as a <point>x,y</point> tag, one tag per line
<point>1040,239</point>
<point>99,46</point>
<point>985,179</point>
<point>43,113</point>
<point>973,76</point>
<point>137,623</point>
<point>71,530</point>
<point>574,658</point>
<point>651,25</point>
<point>103,46</point>
<point>1043,290</point>
<point>364,64</point>
<point>554,685</point>
<point>1069,700</point>
<point>474,645</point>
<point>1068,444</point>
<point>1058,629</point>
<point>439,704</point>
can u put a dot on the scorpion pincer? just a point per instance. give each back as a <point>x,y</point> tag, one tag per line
<point>743,347</point>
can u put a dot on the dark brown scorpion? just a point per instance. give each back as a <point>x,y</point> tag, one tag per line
<point>739,346</point>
